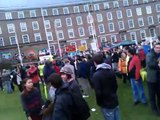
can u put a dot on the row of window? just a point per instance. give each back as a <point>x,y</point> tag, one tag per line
<point>25,37</point>
<point>76,9</point>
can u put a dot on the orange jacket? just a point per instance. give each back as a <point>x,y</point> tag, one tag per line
<point>122,66</point>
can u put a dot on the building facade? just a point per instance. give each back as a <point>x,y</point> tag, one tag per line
<point>107,21</point>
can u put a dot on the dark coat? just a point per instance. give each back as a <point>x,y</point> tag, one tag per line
<point>47,71</point>
<point>105,85</point>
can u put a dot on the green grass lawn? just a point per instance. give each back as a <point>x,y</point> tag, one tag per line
<point>10,107</point>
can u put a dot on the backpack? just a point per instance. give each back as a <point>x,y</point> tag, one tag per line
<point>80,108</point>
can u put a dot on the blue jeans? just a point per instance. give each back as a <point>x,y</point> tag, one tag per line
<point>8,86</point>
<point>138,91</point>
<point>111,114</point>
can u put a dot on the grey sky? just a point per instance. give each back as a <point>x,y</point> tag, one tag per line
<point>33,3</point>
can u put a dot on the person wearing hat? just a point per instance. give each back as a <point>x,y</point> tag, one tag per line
<point>66,75</point>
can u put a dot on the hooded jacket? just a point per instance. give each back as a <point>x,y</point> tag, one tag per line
<point>105,85</point>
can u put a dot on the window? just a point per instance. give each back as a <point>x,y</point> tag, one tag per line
<point>123,37</point>
<point>152,32</point>
<point>53,50</point>
<point>150,20</point>
<point>140,22</point>
<point>70,33</point>
<point>89,18</point>
<point>101,28</point>
<point>103,39</point>
<point>119,14</point>
<point>96,7</point>
<point>143,34</point>
<point>83,42</point>
<point>37,37</point>
<point>35,25</point>
<point>13,40</point>
<point>129,12</point>
<point>1,41</point>
<point>49,36</point>
<point>139,11</point>
<point>76,9</point>
<point>23,26</point>
<point>44,12</point>
<point>106,5</point>
<point>81,31</point>
<point>32,13</point>
<point>68,21</point>
<point>109,16</point>
<point>86,8</point>
<point>148,10</point>
<point>121,25</point>
<point>125,3</point>
<point>158,17</point>
<point>145,1</point>
<point>11,28</point>
<point>0,30</point>
<point>25,38</point>
<point>79,20</point>
<point>47,24</point>
<point>20,14</point>
<point>57,23</point>
<point>8,15</point>
<point>133,35</point>
<point>99,18</point>
<point>55,11</point>
<point>115,4</point>
<point>113,38</point>
<point>91,30</point>
<point>135,2</point>
<point>131,23</point>
<point>65,10</point>
<point>111,27</point>
<point>60,35</point>
<point>158,7</point>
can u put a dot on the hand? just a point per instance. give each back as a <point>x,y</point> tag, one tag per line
<point>29,118</point>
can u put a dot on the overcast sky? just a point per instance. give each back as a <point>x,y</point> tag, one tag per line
<point>33,3</point>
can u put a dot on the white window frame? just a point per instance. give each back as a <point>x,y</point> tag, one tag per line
<point>96,7</point>
<point>55,13</point>
<point>76,9</point>
<point>27,37</point>
<point>89,18</point>
<point>142,32</point>
<point>158,18</point>
<point>99,18</point>
<point>148,10</point>
<point>135,2</point>
<point>125,3</point>
<point>123,35</point>
<point>120,25</point>
<point>58,21</point>
<point>49,34</point>
<point>91,30</point>
<point>115,38</point>
<point>103,39</point>
<point>131,26</point>
<point>119,14</point>
<point>20,14</point>
<point>1,41</point>
<point>79,31</point>
<point>37,35</point>
<point>44,12</point>
<point>158,7</point>
<point>58,32</point>
<point>86,8</point>
<point>145,1</point>
<point>133,33</point>
<point>71,31</point>
<point>80,18</point>
<point>70,19</point>
<point>139,11</point>
<point>115,4</point>
<point>106,5</point>
<point>110,27</point>
<point>148,18</point>
<point>11,43</point>
<point>11,26</point>
<point>140,20</point>
<point>154,32</point>
<point>99,26</point>
<point>65,10</point>
<point>109,14</point>
<point>0,30</point>
<point>33,23</point>
<point>47,24</point>
<point>23,26</point>
<point>32,13</point>
<point>52,47</point>
<point>8,15</point>
<point>129,12</point>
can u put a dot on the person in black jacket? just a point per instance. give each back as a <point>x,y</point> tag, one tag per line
<point>105,86</point>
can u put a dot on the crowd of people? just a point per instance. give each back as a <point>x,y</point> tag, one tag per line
<point>66,82</point>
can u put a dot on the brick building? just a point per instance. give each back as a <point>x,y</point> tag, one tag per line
<point>77,24</point>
